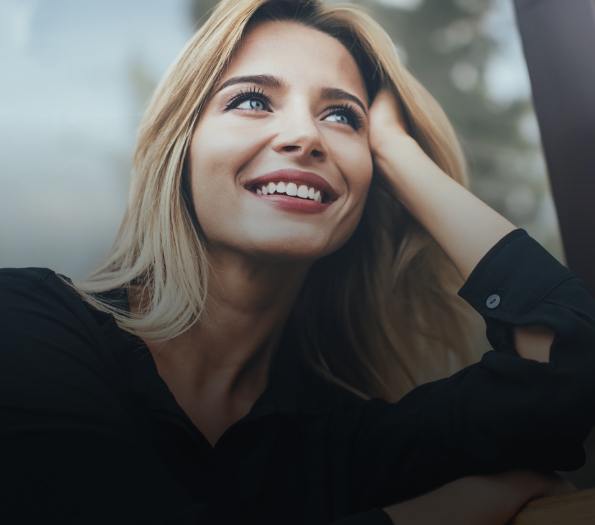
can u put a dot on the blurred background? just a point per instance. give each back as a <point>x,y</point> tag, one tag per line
<point>77,75</point>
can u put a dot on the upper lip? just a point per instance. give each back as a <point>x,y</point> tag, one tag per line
<point>296,176</point>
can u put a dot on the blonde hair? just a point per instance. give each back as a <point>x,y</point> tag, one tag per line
<point>379,315</point>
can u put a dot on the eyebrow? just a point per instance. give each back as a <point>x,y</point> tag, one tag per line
<point>329,93</point>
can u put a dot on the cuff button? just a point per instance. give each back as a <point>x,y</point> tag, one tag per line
<point>493,301</point>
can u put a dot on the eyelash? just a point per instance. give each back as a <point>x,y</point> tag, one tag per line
<point>355,121</point>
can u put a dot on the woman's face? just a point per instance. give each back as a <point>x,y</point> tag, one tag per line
<point>301,114</point>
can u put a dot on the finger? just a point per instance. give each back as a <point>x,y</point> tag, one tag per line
<point>400,111</point>
<point>392,106</point>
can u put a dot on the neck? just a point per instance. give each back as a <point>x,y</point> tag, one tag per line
<point>227,354</point>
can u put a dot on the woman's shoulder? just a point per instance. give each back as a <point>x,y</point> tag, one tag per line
<point>24,291</point>
<point>32,292</point>
<point>57,371</point>
<point>20,282</point>
<point>23,277</point>
<point>46,328</point>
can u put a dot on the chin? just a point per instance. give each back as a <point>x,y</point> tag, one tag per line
<point>287,250</point>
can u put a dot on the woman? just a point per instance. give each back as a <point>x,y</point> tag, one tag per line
<point>296,229</point>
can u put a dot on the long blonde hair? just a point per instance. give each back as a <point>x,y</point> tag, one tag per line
<point>379,315</point>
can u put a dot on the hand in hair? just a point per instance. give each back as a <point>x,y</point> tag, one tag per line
<point>464,226</point>
<point>387,121</point>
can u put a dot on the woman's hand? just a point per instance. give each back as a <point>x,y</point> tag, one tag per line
<point>388,135</point>
<point>387,122</point>
<point>478,500</point>
<point>464,226</point>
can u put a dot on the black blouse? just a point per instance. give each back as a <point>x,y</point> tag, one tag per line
<point>90,433</point>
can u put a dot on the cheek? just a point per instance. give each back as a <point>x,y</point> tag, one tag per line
<point>209,150</point>
<point>207,166</point>
<point>212,163</point>
<point>219,150</point>
<point>358,167</point>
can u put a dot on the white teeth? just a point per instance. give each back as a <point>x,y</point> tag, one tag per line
<point>302,191</point>
<point>291,189</point>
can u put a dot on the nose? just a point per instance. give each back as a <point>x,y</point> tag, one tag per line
<point>299,136</point>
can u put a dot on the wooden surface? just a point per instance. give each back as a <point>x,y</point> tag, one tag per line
<point>558,39</point>
<point>575,508</point>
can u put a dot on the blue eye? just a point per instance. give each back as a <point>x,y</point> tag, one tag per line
<point>347,111</point>
<point>254,95</point>
<point>250,95</point>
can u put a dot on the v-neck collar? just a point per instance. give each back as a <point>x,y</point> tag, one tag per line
<point>292,387</point>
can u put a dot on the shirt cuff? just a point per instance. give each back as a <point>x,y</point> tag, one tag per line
<point>510,281</point>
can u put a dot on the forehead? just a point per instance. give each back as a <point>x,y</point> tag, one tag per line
<point>299,54</point>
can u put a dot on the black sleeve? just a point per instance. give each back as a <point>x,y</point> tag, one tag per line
<point>503,412</point>
<point>68,450</point>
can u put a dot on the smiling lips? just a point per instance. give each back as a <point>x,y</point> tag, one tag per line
<point>291,189</point>
<point>304,185</point>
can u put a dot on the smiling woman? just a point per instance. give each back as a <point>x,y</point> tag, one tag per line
<point>246,136</point>
<point>292,260</point>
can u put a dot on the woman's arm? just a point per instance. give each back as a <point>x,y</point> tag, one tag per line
<point>477,500</point>
<point>464,226</point>
<point>501,413</point>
